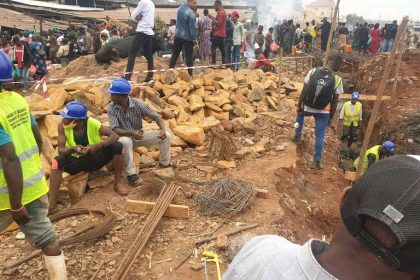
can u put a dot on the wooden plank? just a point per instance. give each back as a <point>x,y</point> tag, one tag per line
<point>349,175</point>
<point>13,226</point>
<point>381,89</point>
<point>145,207</point>
<point>261,193</point>
<point>364,97</point>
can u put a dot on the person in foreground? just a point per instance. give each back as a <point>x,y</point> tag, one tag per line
<point>377,237</point>
<point>81,148</point>
<point>23,188</point>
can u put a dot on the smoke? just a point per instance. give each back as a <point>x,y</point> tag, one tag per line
<point>271,12</point>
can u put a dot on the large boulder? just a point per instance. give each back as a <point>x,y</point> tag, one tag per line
<point>190,134</point>
<point>179,101</point>
<point>51,122</point>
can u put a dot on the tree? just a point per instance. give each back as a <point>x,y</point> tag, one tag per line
<point>352,19</point>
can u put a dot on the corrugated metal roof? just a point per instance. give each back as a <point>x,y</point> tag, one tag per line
<point>54,6</point>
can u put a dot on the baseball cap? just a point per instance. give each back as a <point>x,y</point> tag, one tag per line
<point>389,192</point>
<point>235,14</point>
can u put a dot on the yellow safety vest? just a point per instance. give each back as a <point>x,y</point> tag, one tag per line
<point>348,118</point>
<point>93,133</point>
<point>16,121</point>
<point>374,150</point>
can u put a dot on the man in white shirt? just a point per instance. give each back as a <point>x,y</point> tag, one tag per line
<point>319,99</point>
<point>351,114</point>
<point>376,238</point>
<point>144,15</point>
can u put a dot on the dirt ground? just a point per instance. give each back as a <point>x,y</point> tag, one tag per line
<point>301,204</point>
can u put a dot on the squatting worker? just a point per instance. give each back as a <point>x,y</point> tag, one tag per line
<point>23,188</point>
<point>125,118</point>
<point>81,148</point>
<point>377,237</point>
<point>375,154</point>
<point>144,15</point>
<point>185,35</point>
<point>319,99</point>
<point>351,114</point>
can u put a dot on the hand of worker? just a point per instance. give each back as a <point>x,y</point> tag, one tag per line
<point>139,17</point>
<point>80,150</point>
<point>21,217</point>
<point>137,135</point>
<point>91,149</point>
<point>162,135</point>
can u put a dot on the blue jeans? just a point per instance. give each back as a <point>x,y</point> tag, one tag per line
<point>236,56</point>
<point>39,231</point>
<point>23,74</point>
<point>388,45</point>
<point>321,124</point>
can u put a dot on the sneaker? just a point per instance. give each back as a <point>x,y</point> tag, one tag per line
<point>134,180</point>
<point>316,165</point>
<point>127,77</point>
<point>149,80</point>
<point>171,164</point>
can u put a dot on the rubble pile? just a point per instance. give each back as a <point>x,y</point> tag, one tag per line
<point>188,106</point>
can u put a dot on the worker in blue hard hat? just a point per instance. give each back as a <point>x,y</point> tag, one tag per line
<point>23,187</point>
<point>125,118</point>
<point>351,114</point>
<point>81,148</point>
<point>375,154</point>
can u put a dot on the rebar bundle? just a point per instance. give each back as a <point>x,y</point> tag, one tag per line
<point>225,197</point>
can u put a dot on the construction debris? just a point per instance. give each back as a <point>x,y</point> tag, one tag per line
<point>225,197</point>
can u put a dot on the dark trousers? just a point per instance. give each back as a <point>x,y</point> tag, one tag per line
<point>349,134</point>
<point>144,42</point>
<point>363,45</point>
<point>229,46</point>
<point>324,43</point>
<point>218,42</point>
<point>179,46</point>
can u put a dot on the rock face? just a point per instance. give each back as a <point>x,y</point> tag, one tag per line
<point>190,134</point>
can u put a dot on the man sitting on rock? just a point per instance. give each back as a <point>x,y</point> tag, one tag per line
<point>377,237</point>
<point>80,148</point>
<point>125,118</point>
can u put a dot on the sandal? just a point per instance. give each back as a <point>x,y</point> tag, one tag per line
<point>134,180</point>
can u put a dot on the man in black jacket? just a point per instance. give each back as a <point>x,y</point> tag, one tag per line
<point>229,40</point>
<point>363,38</point>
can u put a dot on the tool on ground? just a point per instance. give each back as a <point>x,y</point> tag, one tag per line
<point>210,256</point>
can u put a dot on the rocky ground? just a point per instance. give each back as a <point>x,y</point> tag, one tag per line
<point>301,203</point>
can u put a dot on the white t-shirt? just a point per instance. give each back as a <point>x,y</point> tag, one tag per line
<point>60,40</point>
<point>171,34</point>
<point>145,9</point>
<point>338,91</point>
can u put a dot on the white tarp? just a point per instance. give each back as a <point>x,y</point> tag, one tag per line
<point>54,6</point>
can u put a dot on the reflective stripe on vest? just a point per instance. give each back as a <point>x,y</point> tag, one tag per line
<point>16,121</point>
<point>93,133</point>
<point>374,150</point>
<point>25,155</point>
<point>348,118</point>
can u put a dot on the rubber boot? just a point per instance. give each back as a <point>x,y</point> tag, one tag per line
<point>56,267</point>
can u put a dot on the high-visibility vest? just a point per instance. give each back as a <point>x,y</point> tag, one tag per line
<point>94,136</point>
<point>16,121</point>
<point>374,150</point>
<point>348,117</point>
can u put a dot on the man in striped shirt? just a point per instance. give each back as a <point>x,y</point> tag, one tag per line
<point>125,118</point>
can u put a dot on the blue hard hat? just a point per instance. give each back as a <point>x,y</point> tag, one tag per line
<point>355,95</point>
<point>389,146</point>
<point>6,67</point>
<point>120,86</point>
<point>74,110</point>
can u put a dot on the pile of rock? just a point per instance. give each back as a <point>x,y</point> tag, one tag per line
<point>188,106</point>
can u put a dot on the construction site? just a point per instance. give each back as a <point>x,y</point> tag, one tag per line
<point>238,173</point>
